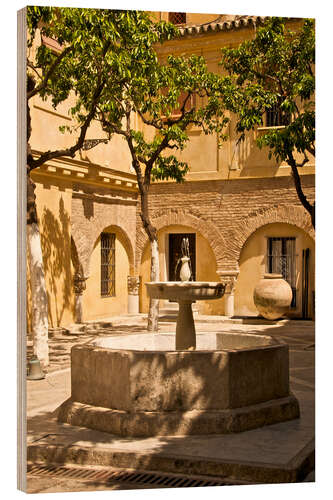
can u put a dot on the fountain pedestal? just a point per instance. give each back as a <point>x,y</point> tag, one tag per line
<point>185,329</point>
<point>185,293</point>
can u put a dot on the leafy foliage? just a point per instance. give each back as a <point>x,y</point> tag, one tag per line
<point>275,70</point>
<point>107,59</point>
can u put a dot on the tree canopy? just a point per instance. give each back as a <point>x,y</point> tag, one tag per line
<point>107,60</point>
<point>91,63</point>
<point>275,71</point>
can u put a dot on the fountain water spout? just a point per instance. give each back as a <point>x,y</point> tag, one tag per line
<point>185,261</point>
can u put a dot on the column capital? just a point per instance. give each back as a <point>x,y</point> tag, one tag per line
<point>229,278</point>
<point>133,285</point>
<point>79,283</point>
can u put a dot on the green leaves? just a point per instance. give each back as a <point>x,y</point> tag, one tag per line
<point>274,70</point>
<point>169,167</point>
<point>107,60</point>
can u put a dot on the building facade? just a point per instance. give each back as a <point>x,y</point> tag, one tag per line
<point>239,209</point>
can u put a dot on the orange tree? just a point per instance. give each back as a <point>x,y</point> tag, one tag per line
<point>275,71</point>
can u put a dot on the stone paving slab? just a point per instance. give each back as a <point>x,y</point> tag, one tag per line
<point>277,443</point>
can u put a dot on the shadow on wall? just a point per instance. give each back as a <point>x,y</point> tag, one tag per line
<point>55,236</point>
<point>251,158</point>
<point>29,300</point>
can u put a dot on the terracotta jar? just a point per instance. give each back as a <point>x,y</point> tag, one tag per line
<point>272,296</point>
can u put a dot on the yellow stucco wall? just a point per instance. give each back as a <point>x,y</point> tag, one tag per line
<point>232,160</point>
<point>46,135</point>
<point>205,268</point>
<point>252,266</point>
<point>95,306</point>
<point>54,213</point>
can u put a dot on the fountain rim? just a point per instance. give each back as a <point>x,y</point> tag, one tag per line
<point>186,284</point>
<point>276,343</point>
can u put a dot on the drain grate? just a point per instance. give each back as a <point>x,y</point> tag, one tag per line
<point>111,475</point>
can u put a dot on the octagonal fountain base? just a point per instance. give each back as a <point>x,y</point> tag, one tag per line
<point>138,385</point>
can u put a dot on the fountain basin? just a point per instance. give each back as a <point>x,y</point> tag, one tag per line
<point>185,290</point>
<point>138,385</point>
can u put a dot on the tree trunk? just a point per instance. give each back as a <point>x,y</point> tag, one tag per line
<point>311,209</point>
<point>154,276</point>
<point>38,288</point>
<point>313,215</point>
<point>154,263</point>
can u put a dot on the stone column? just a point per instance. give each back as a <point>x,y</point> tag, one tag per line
<point>79,283</point>
<point>229,278</point>
<point>133,285</point>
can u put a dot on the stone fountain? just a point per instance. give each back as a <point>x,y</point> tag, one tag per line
<point>188,383</point>
<point>185,293</point>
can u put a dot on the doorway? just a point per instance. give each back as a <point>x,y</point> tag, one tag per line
<point>175,241</point>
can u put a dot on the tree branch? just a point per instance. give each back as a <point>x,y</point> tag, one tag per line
<point>306,159</point>
<point>49,73</point>
<point>152,123</point>
<point>34,68</point>
<point>106,125</point>
<point>48,155</point>
<point>311,150</point>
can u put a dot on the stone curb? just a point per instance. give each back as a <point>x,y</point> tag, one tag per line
<point>297,471</point>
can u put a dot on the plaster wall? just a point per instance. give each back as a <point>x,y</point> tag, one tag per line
<point>94,305</point>
<point>232,160</point>
<point>46,121</point>
<point>54,216</point>
<point>252,266</point>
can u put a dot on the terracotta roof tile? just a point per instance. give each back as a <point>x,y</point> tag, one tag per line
<point>230,24</point>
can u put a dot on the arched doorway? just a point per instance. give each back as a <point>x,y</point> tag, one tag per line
<point>203,262</point>
<point>283,248</point>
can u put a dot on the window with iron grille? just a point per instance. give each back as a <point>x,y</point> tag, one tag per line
<point>108,261</point>
<point>281,259</point>
<point>276,118</point>
<point>177,17</point>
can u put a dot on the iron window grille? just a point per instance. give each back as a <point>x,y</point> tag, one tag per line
<point>275,117</point>
<point>177,17</point>
<point>281,259</point>
<point>108,264</point>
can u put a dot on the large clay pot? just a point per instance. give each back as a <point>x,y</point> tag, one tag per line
<point>272,296</point>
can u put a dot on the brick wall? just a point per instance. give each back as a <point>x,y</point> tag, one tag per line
<point>227,212</point>
<point>95,210</point>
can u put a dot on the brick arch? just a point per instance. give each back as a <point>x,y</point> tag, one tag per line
<point>85,247</point>
<point>184,218</point>
<point>293,215</point>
